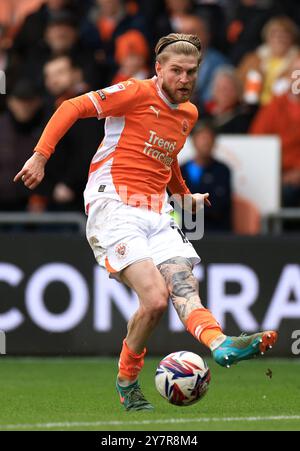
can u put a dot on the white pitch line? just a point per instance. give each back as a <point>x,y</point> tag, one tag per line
<point>145,422</point>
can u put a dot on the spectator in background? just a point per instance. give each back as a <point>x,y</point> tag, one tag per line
<point>34,26</point>
<point>12,15</point>
<point>247,18</point>
<point>21,126</point>
<point>63,79</point>
<point>212,59</point>
<point>272,60</point>
<point>228,113</point>
<point>111,19</point>
<point>31,35</point>
<point>61,38</point>
<point>281,117</point>
<point>67,173</point>
<point>170,20</point>
<point>204,174</point>
<point>132,55</point>
<point>213,12</point>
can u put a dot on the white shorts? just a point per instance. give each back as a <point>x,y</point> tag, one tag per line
<point>120,235</point>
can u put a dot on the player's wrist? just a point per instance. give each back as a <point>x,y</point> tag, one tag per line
<point>40,156</point>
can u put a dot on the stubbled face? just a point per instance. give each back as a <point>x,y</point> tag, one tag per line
<point>177,77</point>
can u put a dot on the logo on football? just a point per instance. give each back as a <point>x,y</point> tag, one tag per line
<point>182,378</point>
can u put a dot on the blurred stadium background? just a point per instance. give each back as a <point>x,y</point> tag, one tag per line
<point>245,151</point>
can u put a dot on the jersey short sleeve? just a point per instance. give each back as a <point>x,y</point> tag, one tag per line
<point>116,100</point>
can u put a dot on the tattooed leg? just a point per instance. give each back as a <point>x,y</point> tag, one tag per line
<point>182,286</point>
<point>183,290</point>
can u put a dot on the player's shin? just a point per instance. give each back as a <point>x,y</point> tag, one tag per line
<point>130,365</point>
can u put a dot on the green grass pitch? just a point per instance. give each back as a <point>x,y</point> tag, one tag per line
<point>79,394</point>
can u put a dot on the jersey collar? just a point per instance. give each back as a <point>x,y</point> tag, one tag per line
<point>173,106</point>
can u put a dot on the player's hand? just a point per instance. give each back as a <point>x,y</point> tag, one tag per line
<point>33,171</point>
<point>199,200</point>
<point>192,202</point>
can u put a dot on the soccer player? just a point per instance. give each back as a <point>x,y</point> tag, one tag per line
<point>129,228</point>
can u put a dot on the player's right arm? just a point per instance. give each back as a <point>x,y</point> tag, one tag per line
<point>113,101</point>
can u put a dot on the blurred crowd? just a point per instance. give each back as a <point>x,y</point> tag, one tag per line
<point>52,50</point>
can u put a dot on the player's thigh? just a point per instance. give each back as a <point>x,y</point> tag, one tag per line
<point>116,236</point>
<point>148,283</point>
<point>169,242</point>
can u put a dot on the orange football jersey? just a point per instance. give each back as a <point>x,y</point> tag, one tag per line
<point>144,132</point>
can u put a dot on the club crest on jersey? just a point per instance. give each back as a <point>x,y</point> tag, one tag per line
<point>185,127</point>
<point>121,250</point>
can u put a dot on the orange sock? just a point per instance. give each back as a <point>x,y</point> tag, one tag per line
<point>205,327</point>
<point>130,363</point>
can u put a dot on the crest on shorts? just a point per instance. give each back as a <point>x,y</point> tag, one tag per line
<point>185,127</point>
<point>121,250</point>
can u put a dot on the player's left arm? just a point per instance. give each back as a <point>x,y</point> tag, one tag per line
<point>179,190</point>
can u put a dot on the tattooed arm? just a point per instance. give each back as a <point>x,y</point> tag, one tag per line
<point>182,286</point>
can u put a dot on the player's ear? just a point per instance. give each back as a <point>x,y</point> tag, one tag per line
<point>158,68</point>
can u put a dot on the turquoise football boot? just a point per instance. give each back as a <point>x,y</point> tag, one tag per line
<point>234,349</point>
<point>132,398</point>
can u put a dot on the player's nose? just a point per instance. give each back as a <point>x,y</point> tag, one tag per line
<point>184,78</point>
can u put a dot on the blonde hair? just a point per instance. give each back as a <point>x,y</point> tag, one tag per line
<point>283,22</point>
<point>186,44</point>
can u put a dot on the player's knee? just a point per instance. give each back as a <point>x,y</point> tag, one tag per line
<point>160,306</point>
<point>157,302</point>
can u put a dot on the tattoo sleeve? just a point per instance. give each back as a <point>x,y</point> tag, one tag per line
<point>182,285</point>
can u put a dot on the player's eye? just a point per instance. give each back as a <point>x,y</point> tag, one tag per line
<point>176,71</point>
